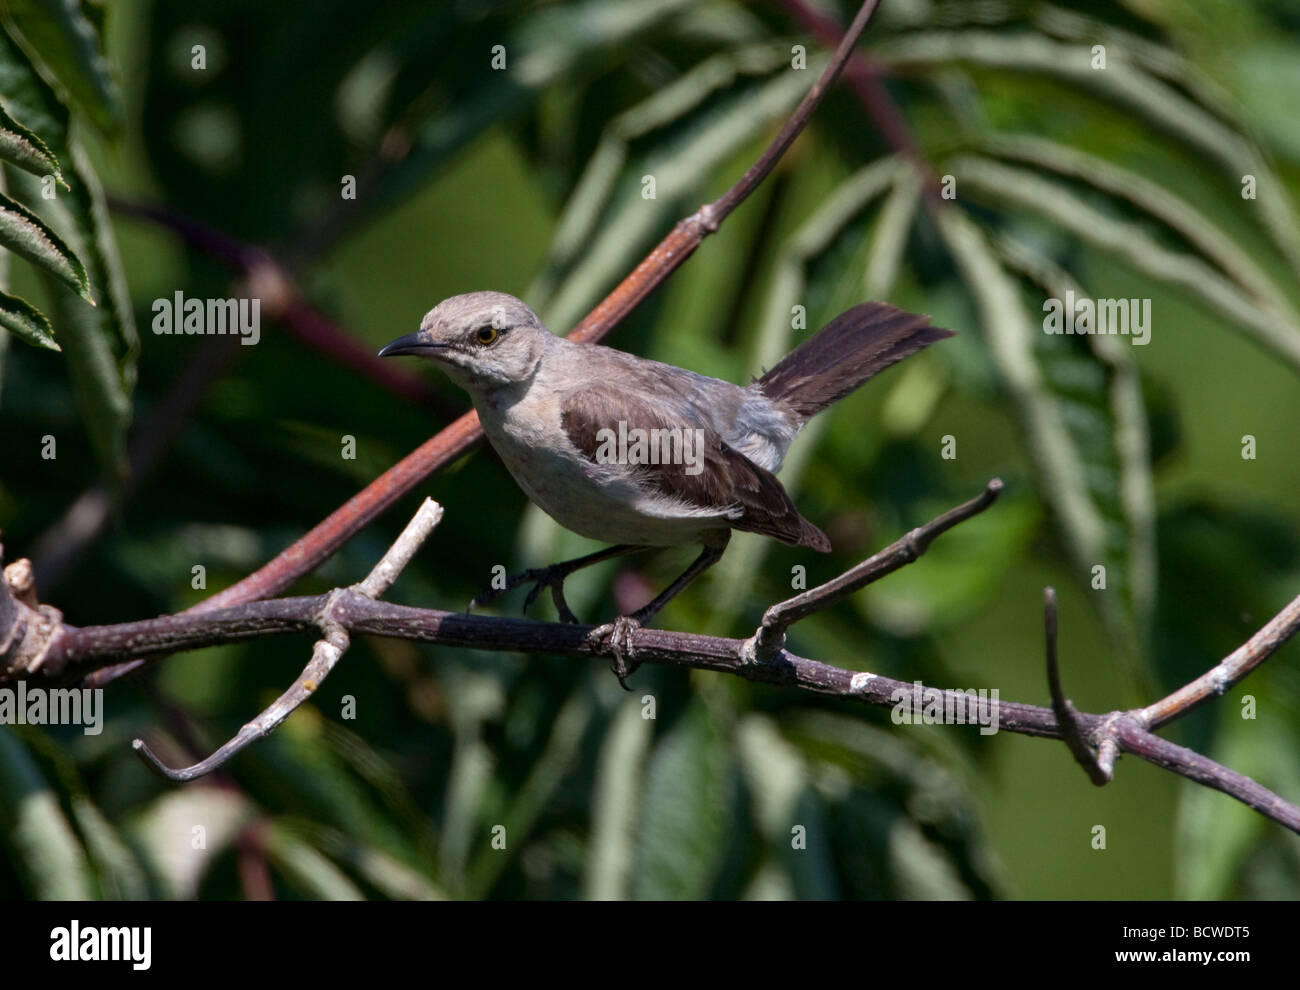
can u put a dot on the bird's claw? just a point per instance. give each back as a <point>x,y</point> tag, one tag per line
<point>619,635</point>
<point>539,577</point>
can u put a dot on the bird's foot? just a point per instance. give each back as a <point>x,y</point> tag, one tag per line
<point>540,577</point>
<point>616,636</point>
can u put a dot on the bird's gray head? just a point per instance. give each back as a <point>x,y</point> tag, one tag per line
<point>483,340</point>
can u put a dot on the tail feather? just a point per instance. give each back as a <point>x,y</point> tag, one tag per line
<point>855,346</point>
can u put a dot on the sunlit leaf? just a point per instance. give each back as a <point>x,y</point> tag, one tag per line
<point>387,874</point>
<point>26,321</point>
<point>583,218</point>
<point>679,165</point>
<point>616,794</point>
<point>1212,242</point>
<point>1125,82</point>
<point>307,868</point>
<point>24,148</point>
<point>28,236</point>
<point>183,832</point>
<point>778,778</point>
<point>1011,337</point>
<point>1022,188</point>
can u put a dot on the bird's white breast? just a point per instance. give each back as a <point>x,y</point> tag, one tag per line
<point>599,501</point>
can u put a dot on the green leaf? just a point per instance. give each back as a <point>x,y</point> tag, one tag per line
<point>120,874</point>
<point>681,164</point>
<point>583,213</point>
<point>614,799</point>
<point>169,830</point>
<point>28,236</point>
<point>1128,240</point>
<point>685,821</point>
<point>1159,60</point>
<point>1011,336</point>
<point>890,238</point>
<point>1125,81</point>
<point>1214,244</point>
<point>394,878</point>
<point>530,801</point>
<point>903,825</point>
<point>57,35</point>
<point>28,322</point>
<point>42,843</point>
<point>28,97</point>
<point>301,768</point>
<point>779,780</point>
<point>555,43</point>
<point>23,148</point>
<point>100,341</point>
<point>1122,449</point>
<point>962,570</point>
<point>307,868</point>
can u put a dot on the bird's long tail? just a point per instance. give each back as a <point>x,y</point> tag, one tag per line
<point>855,346</point>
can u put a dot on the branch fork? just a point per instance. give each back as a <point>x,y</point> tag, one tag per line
<point>331,620</point>
<point>768,640</point>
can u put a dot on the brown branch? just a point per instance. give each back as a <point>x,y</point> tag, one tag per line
<point>770,635</point>
<point>95,645</point>
<point>1218,679</point>
<point>1066,716</point>
<point>864,79</point>
<point>64,652</point>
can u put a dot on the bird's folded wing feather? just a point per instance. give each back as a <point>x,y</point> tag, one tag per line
<point>751,496</point>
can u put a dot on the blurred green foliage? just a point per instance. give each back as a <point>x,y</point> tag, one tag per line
<point>1118,182</point>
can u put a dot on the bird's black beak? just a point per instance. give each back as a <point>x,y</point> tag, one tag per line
<point>412,343</point>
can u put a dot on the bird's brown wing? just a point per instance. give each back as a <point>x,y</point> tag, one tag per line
<point>753,497</point>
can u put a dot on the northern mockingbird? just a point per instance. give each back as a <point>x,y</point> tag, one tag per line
<point>640,454</point>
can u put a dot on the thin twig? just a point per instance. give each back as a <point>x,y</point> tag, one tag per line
<point>863,78</point>
<point>325,654</point>
<point>1218,679</point>
<point>770,635</point>
<point>1132,738</point>
<point>384,573</point>
<point>1066,716</point>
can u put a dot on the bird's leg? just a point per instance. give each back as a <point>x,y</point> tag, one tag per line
<point>553,577</point>
<point>620,630</point>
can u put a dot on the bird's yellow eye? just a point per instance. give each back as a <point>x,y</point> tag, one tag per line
<point>487,335</point>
